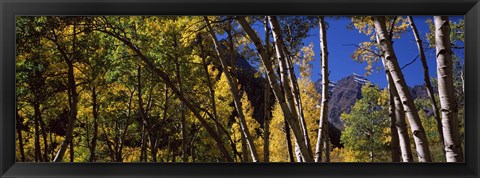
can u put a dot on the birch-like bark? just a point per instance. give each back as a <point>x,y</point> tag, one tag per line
<point>236,98</point>
<point>426,78</point>
<point>244,148</point>
<point>446,91</point>
<point>272,78</point>
<point>322,128</point>
<point>288,139</point>
<point>401,125</point>
<point>391,64</point>
<point>290,85</point>
<point>394,143</point>
<point>292,91</point>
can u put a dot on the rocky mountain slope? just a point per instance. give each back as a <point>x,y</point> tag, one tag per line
<point>345,92</point>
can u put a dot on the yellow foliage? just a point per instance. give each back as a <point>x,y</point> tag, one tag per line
<point>223,98</point>
<point>278,142</point>
<point>254,128</point>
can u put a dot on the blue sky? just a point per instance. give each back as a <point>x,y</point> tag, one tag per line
<point>341,64</point>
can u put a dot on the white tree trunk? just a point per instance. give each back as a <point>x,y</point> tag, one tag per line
<point>391,64</point>
<point>400,123</point>
<point>236,98</point>
<point>289,83</point>
<point>446,91</point>
<point>272,78</point>
<point>426,77</point>
<point>323,123</point>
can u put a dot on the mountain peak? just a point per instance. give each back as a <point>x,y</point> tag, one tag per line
<point>360,79</point>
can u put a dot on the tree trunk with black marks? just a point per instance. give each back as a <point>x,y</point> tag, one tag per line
<point>391,64</point>
<point>399,123</point>
<point>292,121</point>
<point>289,142</point>
<point>426,78</point>
<point>323,121</point>
<point>394,143</point>
<point>292,79</point>
<point>446,90</point>
<point>236,97</point>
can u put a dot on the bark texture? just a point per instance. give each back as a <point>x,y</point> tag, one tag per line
<point>426,77</point>
<point>322,136</point>
<point>446,91</point>
<point>272,78</point>
<point>236,96</point>
<point>391,64</point>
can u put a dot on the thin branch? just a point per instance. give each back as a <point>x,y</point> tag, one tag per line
<point>390,36</point>
<point>362,48</point>
<point>411,62</point>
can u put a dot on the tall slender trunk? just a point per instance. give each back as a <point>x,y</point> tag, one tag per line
<point>326,144</point>
<point>462,76</point>
<point>43,127</point>
<point>38,153</point>
<point>426,78</point>
<point>266,123</point>
<point>292,121</point>
<point>266,102</point>
<point>236,98</point>
<point>219,127</point>
<point>183,125</point>
<point>446,90</point>
<point>298,154</point>
<point>289,142</point>
<point>244,148</point>
<point>323,122</point>
<point>289,85</point>
<point>391,64</point>
<point>143,115</point>
<point>143,147</point>
<point>394,142</point>
<point>19,127</point>
<point>153,147</point>
<point>211,92</point>
<point>182,106</point>
<point>400,123</point>
<point>73,97</point>
<point>71,151</point>
<point>93,142</point>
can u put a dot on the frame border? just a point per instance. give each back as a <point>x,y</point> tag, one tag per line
<point>11,8</point>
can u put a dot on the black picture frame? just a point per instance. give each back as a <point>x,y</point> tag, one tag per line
<point>11,8</point>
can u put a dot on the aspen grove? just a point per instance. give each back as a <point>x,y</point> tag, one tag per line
<point>238,89</point>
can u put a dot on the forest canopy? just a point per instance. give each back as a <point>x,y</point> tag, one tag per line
<point>239,89</point>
